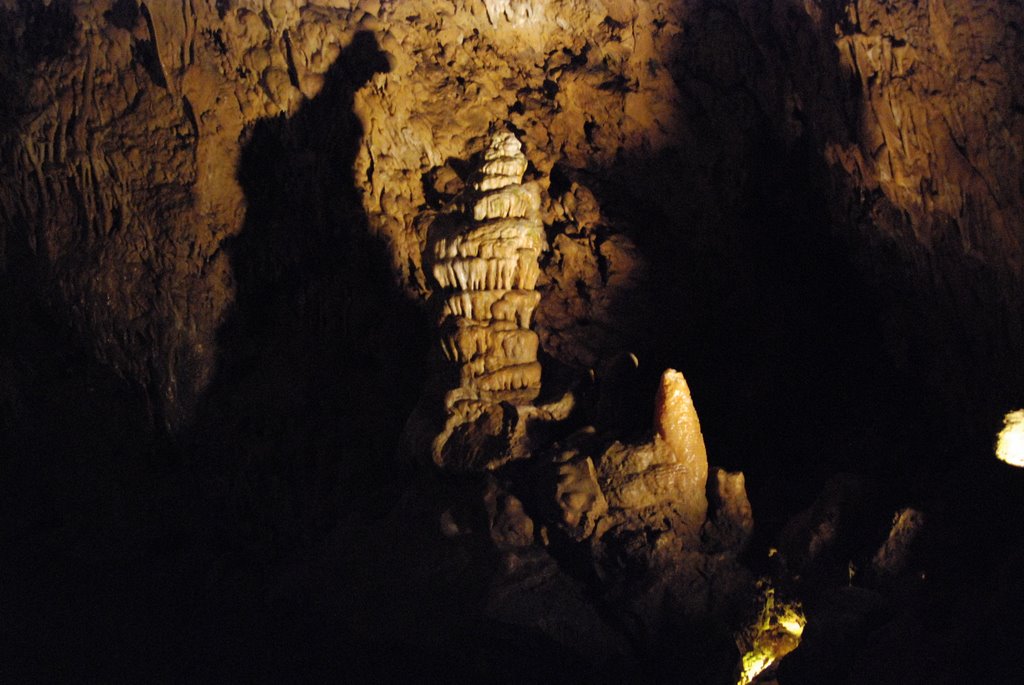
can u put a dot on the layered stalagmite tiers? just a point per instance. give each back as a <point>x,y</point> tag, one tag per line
<point>487,269</point>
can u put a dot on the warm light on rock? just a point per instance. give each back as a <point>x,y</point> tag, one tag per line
<point>484,263</point>
<point>361,307</point>
<point>486,270</point>
<point>676,423</point>
<point>1010,445</point>
<point>772,635</point>
<point>668,473</point>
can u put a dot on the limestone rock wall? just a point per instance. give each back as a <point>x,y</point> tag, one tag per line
<point>668,131</point>
<point>224,205</point>
<point>925,161</point>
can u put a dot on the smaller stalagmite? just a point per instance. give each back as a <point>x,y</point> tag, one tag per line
<point>484,263</point>
<point>621,495</point>
<point>671,471</point>
<point>676,424</point>
<point>653,505</point>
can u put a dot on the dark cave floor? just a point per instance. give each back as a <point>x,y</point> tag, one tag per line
<point>126,557</point>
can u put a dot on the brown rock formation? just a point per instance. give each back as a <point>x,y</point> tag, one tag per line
<point>666,478</point>
<point>484,263</point>
<point>126,119</point>
<point>216,216</point>
<point>487,271</point>
<point>731,518</point>
<point>615,495</point>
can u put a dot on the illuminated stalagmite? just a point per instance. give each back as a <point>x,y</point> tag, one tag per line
<point>659,485</point>
<point>666,477</point>
<point>485,265</point>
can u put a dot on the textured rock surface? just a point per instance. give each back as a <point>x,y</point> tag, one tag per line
<point>730,516</point>
<point>929,167</point>
<point>579,497</point>
<point>213,214</point>
<point>125,122</point>
<point>676,424</point>
<point>895,554</point>
<point>636,512</point>
<point>661,482</point>
<point>484,265</point>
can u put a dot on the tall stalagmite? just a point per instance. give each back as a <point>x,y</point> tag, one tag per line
<point>486,269</point>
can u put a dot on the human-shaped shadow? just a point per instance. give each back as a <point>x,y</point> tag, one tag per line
<point>318,359</point>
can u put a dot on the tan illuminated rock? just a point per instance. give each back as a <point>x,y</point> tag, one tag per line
<point>484,264</point>
<point>730,516</point>
<point>516,306</point>
<point>203,190</point>
<point>578,495</point>
<point>667,473</point>
<point>920,154</point>
<point>676,423</point>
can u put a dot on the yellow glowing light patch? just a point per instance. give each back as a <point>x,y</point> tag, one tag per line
<point>754,663</point>
<point>774,634</point>
<point>793,624</point>
<point>1010,445</point>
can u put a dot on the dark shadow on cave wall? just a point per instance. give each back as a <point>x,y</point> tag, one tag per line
<point>319,366</point>
<point>126,551</point>
<point>753,294</point>
<point>769,301</point>
<point>318,359</point>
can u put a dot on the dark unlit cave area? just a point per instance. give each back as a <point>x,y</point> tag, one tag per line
<point>512,341</point>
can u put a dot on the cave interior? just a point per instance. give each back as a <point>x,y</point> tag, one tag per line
<point>220,337</point>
